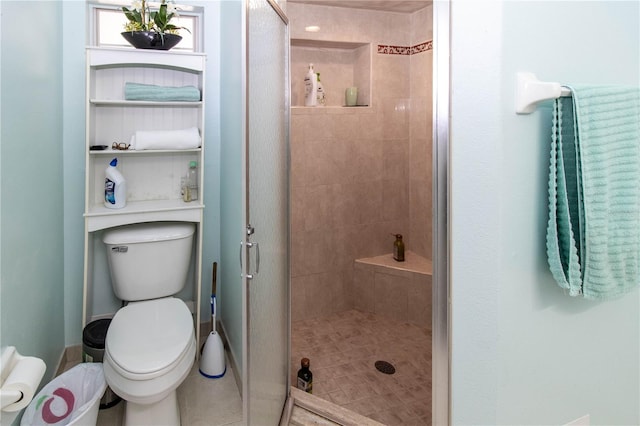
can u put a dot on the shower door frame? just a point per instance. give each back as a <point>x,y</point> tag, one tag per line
<point>441,300</point>
<point>250,250</point>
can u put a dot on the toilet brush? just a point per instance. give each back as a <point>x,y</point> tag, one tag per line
<point>212,362</point>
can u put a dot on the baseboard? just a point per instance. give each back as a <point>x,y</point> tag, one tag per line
<point>233,362</point>
<point>70,354</point>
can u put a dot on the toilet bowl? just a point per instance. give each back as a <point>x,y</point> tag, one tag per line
<point>150,345</point>
<point>149,351</point>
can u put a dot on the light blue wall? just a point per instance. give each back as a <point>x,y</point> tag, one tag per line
<point>523,351</point>
<point>43,131</point>
<point>211,243</point>
<point>32,237</point>
<point>73,127</point>
<point>232,201</point>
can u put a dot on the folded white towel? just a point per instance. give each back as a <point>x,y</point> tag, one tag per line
<point>166,139</point>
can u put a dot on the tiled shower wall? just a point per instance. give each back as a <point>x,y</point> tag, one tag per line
<point>359,174</point>
<point>420,158</point>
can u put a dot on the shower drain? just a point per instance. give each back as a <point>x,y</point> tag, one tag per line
<point>385,367</point>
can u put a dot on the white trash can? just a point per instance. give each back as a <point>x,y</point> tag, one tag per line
<point>72,398</point>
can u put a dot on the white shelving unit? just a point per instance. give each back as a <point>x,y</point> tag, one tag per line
<point>153,176</point>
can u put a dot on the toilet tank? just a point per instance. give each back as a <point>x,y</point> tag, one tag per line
<point>149,260</point>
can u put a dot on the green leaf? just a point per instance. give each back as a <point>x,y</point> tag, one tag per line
<point>132,15</point>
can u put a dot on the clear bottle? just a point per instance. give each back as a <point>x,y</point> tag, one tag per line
<point>190,187</point>
<point>398,249</point>
<point>322,100</point>
<point>305,377</point>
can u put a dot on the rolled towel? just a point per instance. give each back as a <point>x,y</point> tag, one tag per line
<point>150,92</point>
<point>166,139</point>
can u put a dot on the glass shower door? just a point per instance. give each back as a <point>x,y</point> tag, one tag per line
<point>267,236</point>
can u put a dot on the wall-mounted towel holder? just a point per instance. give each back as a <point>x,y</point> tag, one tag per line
<point>530,91</point>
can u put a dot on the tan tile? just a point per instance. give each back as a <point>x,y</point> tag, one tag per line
<point>391,76</point>
<point>318,251</point>
<point>396,159</point>
<point>197,407</point>
<point>396,118</point>
<point>370,126</point>
<point>318,301</point>
<point>111,416</point>
<point>344,207</point>
<point>387,417</point>
<point>422,407</point>
<point>391,296</point>
<point>395,195</point>
<point>419,309</point>
<point>364,406</point>
<point>340,397</point>
<point>317,206</point>
<point>352,371</point>
<point>325,386</point>
<point>298,299</point>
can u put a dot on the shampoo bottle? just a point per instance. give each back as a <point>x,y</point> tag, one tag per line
<point>310,88</point>
<point>322,100</point>
<point>115,187</point>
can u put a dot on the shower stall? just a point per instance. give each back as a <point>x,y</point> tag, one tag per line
<point>359,175</point>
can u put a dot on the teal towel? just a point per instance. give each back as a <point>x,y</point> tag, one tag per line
<point>149,92</point>
<point>593,233</point>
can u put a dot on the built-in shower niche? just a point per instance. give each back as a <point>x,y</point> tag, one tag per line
<point>340,64</point>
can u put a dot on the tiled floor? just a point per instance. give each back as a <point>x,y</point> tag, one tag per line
<point>203,402</point>
<point>343,350</point>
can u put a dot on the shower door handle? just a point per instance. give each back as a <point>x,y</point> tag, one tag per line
<point>249,245</point>
<point>257,246</point>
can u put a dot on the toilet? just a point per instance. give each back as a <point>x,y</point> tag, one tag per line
<point>150,345</point>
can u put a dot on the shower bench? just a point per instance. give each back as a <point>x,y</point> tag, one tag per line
<point>396,290</point>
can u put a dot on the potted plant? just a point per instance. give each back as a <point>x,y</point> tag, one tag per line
<point>151,29</point>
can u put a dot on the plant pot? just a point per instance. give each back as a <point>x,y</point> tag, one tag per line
<point>151,39</point>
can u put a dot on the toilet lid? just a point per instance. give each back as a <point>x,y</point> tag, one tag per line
<point>149,336</point>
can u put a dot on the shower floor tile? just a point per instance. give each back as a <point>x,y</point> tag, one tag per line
<point>343,349</point>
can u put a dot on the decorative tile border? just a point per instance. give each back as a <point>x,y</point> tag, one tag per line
<point>422,47</point>
<point>405,50</point>
<point>394,50</point>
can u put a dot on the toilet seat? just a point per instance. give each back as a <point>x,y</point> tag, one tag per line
<point>149,338</point>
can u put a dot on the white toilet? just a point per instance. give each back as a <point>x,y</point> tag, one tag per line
<point>150,345</point>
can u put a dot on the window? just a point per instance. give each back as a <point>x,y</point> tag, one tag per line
<point>107,22</point>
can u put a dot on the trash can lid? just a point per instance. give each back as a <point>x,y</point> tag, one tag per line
<point>95,333</point>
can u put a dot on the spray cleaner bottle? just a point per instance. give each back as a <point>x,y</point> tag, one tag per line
<point>115,187</point>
